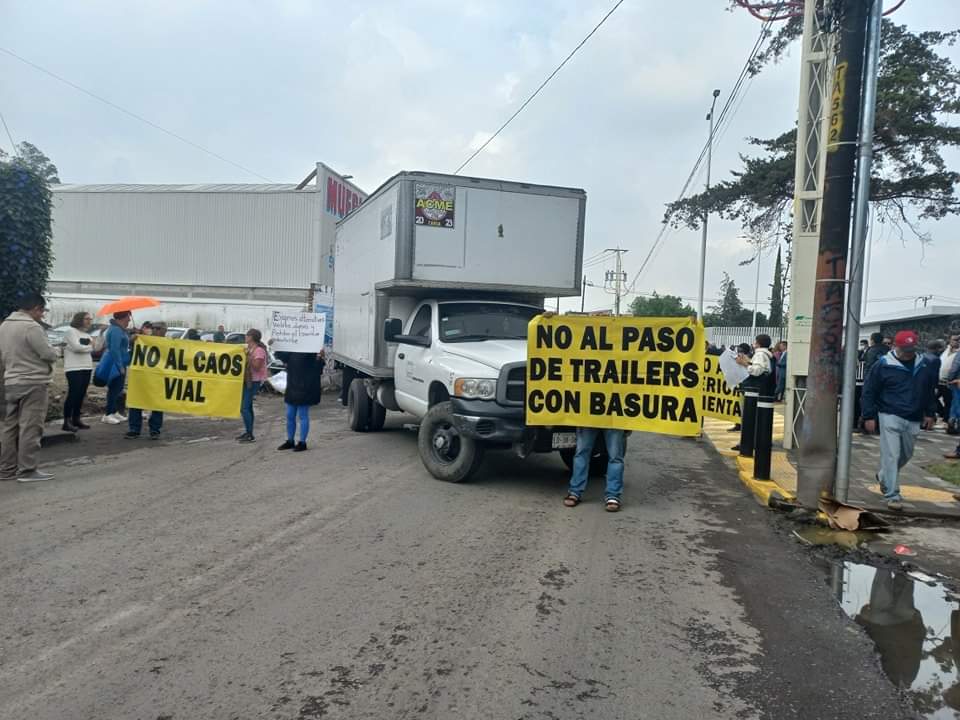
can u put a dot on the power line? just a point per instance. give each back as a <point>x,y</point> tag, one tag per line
<point>725,117</point>
<point>537,91</point>
<point>12,143</point>
<point>131,114</point>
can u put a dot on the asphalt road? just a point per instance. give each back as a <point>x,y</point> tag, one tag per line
<point>197,578</point>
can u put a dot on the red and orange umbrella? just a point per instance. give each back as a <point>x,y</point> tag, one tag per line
<point>128,303</point>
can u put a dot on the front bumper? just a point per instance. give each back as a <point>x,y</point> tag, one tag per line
<point>487,421</point>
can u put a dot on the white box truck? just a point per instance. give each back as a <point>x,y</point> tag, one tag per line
<point>436,279</point>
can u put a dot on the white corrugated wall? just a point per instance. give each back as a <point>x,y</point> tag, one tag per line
<point>256,240</point>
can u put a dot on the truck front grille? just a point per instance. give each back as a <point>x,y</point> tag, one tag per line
<point>512,387</point>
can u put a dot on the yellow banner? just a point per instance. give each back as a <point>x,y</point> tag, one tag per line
<point>186,376</point>
<point>719,399</point>
<point>622,373</point>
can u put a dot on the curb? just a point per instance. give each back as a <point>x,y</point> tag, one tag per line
<point>763,490</point>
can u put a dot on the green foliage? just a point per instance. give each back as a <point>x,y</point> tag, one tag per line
<point>918,94</point>
<point>32,157</point>
<point>731,312</point>
<point>25,232</point>
<point>661,306</point>
<point>776,294</point>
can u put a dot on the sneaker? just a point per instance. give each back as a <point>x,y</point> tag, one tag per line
<point>288,445</point>
<point>154,435</point>
<point>894,505</point>
<point>131,436</point>
<point>735,428</point>
<point>79,424</point>
<point>300,447</point>
<point>952,456</point>
<point>120,417</point>
<point>69,427</point>
<point>246,438</point>
<point>34,476</point>
<point>243,436</point>
<point>110,420</point>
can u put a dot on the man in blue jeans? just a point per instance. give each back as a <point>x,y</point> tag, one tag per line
<point>615,441</point>
<point>900,395</point>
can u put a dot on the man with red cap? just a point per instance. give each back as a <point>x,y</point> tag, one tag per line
<point>900,394</point>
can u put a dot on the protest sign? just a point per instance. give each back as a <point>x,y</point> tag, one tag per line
<point>186,376</point>
<point>298,331</point>
<point>719,399</point>
<point>620,373</point>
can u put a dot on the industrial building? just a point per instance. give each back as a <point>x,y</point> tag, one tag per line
<point>212,254</point>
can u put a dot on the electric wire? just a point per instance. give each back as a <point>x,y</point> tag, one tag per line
<point>13,145</point>
<point>132,114</point>
<point>541,87</point>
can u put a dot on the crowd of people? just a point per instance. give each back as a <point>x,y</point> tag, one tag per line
<point>28,363</point>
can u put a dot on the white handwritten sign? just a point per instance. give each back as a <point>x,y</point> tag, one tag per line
<point>298,331</point>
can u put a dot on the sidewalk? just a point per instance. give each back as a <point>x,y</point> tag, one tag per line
<point>923,494</point>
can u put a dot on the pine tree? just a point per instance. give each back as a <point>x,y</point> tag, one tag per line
<point>776,295</point>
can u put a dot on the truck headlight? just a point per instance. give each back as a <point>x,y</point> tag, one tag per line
<point>475,388</point>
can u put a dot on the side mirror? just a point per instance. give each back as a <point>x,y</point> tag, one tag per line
<point>392,328</point>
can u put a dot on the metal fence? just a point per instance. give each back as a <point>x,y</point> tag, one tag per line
<point>735,335</point>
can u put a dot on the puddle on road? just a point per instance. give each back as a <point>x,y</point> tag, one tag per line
<point>915,625</point>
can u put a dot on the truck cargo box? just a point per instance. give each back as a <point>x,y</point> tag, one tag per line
<point>428,235</point>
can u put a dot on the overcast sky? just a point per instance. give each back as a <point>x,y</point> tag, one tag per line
<point>374,87</point>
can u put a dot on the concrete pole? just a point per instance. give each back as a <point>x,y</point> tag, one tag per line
<point>817,467</point>
<point>703,239</point>
<point>756,296</point>
<point>857,250</point>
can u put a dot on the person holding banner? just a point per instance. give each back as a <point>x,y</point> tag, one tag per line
<point>255,375</point>
<point>615,441</point>
<point>135,415</point>
<point>304,371</point>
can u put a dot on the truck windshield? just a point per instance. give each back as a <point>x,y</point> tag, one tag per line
<point>473,322</point>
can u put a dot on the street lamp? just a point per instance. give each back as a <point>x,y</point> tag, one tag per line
<point>756,287</point>
<point>703,241</point>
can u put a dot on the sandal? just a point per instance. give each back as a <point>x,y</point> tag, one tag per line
<point>571,500</point>
<point>613,505</point>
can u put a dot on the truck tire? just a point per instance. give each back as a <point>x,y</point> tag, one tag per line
<point>358,406</point>
<point>445,453</point>
<point>378,416</point>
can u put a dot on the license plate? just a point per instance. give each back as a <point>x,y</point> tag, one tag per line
<point>564,440</point>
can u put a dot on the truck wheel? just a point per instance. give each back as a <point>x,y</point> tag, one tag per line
<point>378,416</point>
<point>445,453</point>
<point>598,461</point>
<point>358,406</point>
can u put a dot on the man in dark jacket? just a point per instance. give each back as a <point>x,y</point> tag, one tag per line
<point>899,393</point>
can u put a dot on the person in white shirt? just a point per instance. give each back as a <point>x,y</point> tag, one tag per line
<point>78,366</point>
<point>946,389</point>
<point>762,361</point>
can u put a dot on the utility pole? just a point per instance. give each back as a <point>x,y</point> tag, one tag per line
<point>857,250</point>
<point>706,215</point>
<point>818,447</point>
<point>618,279</point>
<point>583,294</point>
<point>756,292</point>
